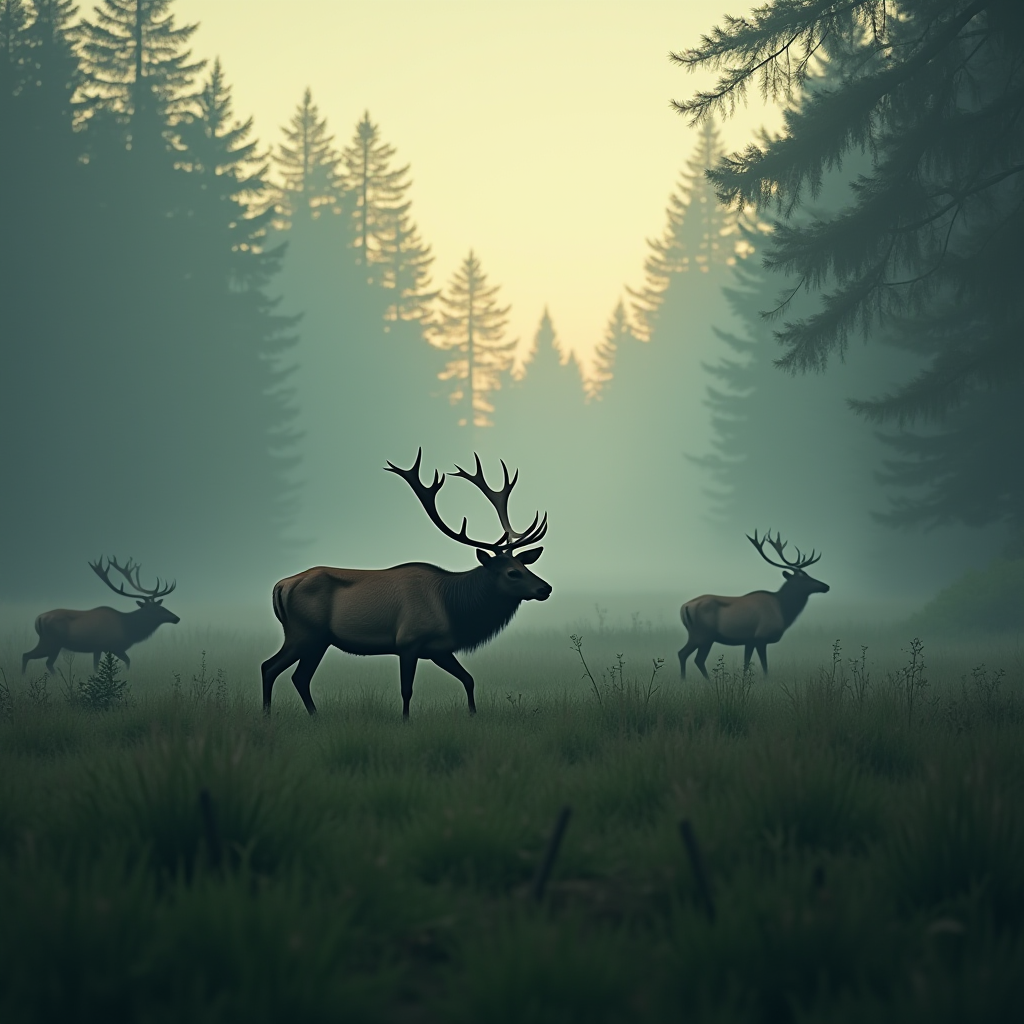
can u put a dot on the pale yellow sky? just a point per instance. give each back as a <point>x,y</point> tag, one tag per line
<point>539,131</point>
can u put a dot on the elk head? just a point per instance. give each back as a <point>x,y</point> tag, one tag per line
<point>793,571</point>
<point>149,599</point>
<point>508,570</point>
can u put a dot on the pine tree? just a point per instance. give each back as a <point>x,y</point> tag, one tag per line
<point>232,269</point>
<point>472,325</point>
<point>136,57</point>
<point>602,369</point>
<point>928,234</point>
<point>374,196</point>
<point>307,163</point>
<point>695,238</point>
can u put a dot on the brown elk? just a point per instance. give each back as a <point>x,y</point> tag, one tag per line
<point>414,610</point>
<point>753,620</point>
<point>102,629</point>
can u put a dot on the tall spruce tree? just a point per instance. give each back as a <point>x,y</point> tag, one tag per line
<point>233,270</point>
<point>374,194</point>
<point>472,326</point>
<point>139,311</point>
<point>695,238</point>
<point>307,163</point>
<point>923,255</point>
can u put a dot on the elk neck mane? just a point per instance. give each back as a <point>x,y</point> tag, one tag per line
<point>792,599</point>
<point>475,609</point>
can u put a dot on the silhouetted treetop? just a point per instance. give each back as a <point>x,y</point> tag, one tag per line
<point>472,326</point>
<point>307,161</point>
<point>132,50</point>
<point>694,238</point>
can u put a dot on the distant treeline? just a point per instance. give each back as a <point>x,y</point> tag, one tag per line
<point>210,348</point>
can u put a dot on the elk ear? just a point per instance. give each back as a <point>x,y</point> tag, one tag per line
<point>788,575</point>
<point>482,557</point>
<point>161,601</point>
<point>141,604</point>
<point>531,556</point>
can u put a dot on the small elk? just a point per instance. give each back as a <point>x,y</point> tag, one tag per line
<point>754,620</point>
<point>102,629</point>
<point>415,610</point>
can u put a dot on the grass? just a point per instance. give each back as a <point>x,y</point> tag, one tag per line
<point>177,856</point>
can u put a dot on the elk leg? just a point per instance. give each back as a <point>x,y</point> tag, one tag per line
<point>95,661</point>
<point>302,676</point>
<point>407,668</point>
<point>123,657</point>
<point>39,651</point>
<point>748,652</point>
<point>451,665</point>
<point>762,653</point>
<point>702,656</point>
<point>272,668</point>
<point>684,653</point>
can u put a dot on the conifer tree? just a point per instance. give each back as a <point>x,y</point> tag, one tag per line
<point>928,237</point>
<point>307,162</point>
<point>602,368</point>
<point>695,238</point>
<point>136,56</point>
<point>386,242</point>
<point>472,326</point>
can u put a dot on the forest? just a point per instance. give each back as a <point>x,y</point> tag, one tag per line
<point>217,340</point>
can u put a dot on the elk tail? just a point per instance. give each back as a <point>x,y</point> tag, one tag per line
<point>38,625</point>
<point>687,616</point>
<point>279,602</point>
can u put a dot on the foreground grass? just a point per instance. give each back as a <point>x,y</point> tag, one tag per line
<point>182,858</point>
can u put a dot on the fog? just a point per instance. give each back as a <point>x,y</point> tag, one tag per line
<point>210,378</point>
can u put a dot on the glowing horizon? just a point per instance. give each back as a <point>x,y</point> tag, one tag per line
<point>554,169</point>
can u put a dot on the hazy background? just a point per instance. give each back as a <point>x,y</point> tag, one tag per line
<point>538,137</point>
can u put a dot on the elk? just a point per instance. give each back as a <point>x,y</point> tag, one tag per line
<point>753,620</point>
<point>414,610</point>
<point>103,629</point>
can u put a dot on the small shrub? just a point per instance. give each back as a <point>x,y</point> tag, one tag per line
<point>104,689</point>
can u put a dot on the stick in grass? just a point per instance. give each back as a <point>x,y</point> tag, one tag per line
<point>210,829</point>
<point>540,880</point>
<point>697,864</point>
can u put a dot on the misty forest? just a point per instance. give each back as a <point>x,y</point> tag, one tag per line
<point>221,345</point>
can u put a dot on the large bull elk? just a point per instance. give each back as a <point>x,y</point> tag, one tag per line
<point>414,610</point>
<point>754,620</point>
<point>103,629</point>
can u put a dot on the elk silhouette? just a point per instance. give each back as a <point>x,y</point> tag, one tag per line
<point>753,620</point>
<point>415,610</point>
<point>103,629</point>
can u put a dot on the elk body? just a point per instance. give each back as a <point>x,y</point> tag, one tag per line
<point>102,629</point>
<point>416,610</point>
<point>754,620</point>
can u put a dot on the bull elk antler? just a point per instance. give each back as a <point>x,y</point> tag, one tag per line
<point>131,573</point>
<point>779,545</point>
<point>427,495</point>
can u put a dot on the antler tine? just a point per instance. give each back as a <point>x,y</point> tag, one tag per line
<point>130,572</point>
<point>780,545</point>
<point>510,538</point>
<point>427,495</point>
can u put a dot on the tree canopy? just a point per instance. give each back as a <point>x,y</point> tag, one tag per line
<point>923,253</point>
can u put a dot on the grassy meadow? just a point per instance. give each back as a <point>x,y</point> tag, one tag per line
<point>168,854</point>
